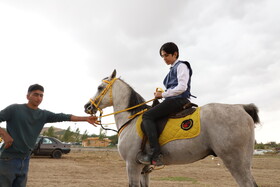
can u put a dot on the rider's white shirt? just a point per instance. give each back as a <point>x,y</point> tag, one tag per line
<point>183,76</point>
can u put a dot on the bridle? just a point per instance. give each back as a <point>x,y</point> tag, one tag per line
<point>96,102</point>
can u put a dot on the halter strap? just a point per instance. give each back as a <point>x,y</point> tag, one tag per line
<point>96,102</point>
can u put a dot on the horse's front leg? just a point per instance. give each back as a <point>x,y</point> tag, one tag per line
<point>145,178</point>
<point>136,179</point>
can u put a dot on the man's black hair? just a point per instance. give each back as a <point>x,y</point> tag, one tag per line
<point>169,48</point>
<point>35,87</point>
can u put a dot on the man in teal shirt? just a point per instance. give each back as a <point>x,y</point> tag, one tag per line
<point>24,124</point>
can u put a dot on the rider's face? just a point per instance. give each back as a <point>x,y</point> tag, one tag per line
<point>169,58</point>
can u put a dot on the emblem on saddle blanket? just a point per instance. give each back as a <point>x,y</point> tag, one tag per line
<point>177,128</point>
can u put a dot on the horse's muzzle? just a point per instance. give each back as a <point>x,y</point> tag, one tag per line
<point>90,109</point>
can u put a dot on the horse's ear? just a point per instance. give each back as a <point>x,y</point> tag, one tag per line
<point>114,74</point>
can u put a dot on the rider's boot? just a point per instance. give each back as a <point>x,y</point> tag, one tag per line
<point>157,160</point>
<point>153,157</point>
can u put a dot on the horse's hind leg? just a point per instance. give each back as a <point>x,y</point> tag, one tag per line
<point>240,169</point>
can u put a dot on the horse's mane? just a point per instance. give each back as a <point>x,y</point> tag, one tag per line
<point>135,99</point>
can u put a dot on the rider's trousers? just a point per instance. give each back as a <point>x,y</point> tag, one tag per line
<point>165,108</point>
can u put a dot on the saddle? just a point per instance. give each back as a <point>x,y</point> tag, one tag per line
<point>187,109</point>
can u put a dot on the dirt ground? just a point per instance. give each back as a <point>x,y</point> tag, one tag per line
<point>105,168</point>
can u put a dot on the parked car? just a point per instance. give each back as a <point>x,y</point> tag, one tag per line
<point>262,151</point>
<point>49,146</point>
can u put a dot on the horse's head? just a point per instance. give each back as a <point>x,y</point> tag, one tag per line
<point>103,97</point>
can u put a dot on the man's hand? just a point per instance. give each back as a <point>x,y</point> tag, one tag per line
<point>8,140</point>
<point>92,120</point>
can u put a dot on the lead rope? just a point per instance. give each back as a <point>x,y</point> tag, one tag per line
<point>108,128</point>
<point>104,127</point>
<point>130,117</point>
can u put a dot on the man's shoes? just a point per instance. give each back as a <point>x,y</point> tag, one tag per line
<point>146,159</point>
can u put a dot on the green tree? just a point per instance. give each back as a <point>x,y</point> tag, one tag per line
<point>272,144</point>
<point>102,134</point>
<point>94,135</point>
<point>114,139</point>
<point>49,132</point>
<point>77,135</point>
<point>67,136</point>
<point>85,135</point>
<point>259,146</point>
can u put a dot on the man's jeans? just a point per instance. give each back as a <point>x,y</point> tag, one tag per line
<point>13,172</point>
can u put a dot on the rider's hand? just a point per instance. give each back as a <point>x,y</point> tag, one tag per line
<point>158,95</point>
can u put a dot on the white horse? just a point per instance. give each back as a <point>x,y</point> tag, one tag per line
<point>227,131</point>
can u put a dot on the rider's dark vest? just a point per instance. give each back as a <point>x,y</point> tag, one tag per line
<point>171,80</point>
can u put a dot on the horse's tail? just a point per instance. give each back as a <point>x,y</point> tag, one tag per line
<point>252,110</point>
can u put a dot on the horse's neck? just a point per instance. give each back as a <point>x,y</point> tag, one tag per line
<point>120,102</point>
<point>121,119</point>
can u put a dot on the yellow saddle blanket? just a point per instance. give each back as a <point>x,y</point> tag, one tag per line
<point>177,128</point>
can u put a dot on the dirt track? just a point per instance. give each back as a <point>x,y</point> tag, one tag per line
<point>106,168</point>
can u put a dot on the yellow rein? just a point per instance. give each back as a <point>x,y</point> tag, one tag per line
<point>120,111</point>
<point>102,94</point>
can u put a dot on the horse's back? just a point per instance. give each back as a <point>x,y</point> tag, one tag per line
<point>226,113</point>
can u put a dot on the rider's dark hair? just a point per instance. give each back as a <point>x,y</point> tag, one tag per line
<point>169,48</point>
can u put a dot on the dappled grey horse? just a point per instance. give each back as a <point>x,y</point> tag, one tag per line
<point>227,131</point>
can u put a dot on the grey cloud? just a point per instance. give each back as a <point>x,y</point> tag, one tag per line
<point>233,45</point>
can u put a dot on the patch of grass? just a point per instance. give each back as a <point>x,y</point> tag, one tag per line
<point>178,179</point>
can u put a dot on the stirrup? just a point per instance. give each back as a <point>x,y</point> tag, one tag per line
<point>147,170</point>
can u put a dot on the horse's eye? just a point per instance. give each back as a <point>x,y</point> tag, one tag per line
<point>100,88</point>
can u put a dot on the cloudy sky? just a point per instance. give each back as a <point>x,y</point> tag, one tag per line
<point>69,46</point>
